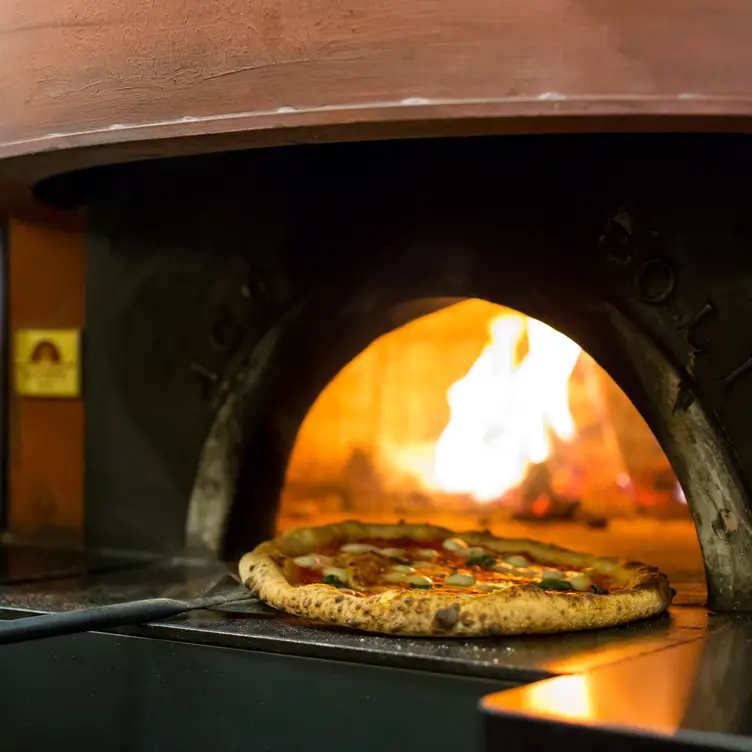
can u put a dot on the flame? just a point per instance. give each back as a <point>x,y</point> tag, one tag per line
<point>502,412</point>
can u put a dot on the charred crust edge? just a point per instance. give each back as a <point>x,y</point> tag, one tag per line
<point>447,618</point>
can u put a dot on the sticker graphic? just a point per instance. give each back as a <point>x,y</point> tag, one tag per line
<point>47,362</point>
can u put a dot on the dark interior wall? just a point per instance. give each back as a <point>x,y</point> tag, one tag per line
<point>182,280</point>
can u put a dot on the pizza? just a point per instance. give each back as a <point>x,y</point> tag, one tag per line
<point>408,579</point>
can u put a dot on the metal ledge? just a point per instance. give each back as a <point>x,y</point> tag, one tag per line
<point>696,695</point>
<point>515,659</point>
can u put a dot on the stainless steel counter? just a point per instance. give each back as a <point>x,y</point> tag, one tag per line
<point>680,679</point>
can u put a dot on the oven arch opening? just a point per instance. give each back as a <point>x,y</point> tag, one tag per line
<point>476,416</point>
<point>262,417</point>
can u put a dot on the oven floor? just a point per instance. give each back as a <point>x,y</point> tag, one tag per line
<point>205,671</point>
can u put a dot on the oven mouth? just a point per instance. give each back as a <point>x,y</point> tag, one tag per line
<point>604,487</point>
<point>476,416</point>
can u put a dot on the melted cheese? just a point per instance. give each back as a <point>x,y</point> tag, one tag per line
<point>473,553</point>
<point>516,561</point>
<point>426,566</point>
<point>456,545</point>
<point>463,580</point>
<point>419,580</point>
<point>552,574</point>
<point>393,553</point>
<point>339,573</point>
<point>581,582</point>
<point>404,568</point>
<point>313,561</point>
<point>394,577</point>
<point>358,548</point>
<point>426,554</point>
<point>489,587</point>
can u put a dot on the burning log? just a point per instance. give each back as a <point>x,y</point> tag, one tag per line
<point>539,502</point>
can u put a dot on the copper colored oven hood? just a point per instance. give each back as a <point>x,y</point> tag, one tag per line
<point>98,81</point>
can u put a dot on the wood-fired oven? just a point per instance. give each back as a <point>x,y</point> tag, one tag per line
<point>426,173</point>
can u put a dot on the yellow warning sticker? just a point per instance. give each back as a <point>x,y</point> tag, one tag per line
<point>47,362</point>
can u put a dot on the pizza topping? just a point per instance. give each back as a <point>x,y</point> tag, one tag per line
<point>489,587</point>
<point>330,579</point>
<point>364,570</point>
<point>426,554</point>
<point>551,574</point>
<point>452,566</point>
<point>358,548</point>
<point>340,574</point>
<point>403,568</point>
<point>516,561</point>
<point>485,561</point>
<point>393,553</point>
<point>395,577</point>
<point>581,582</point>
<point>504,568</point>
<point>455,545</point>
<point>474,552</point>
<point>359,575</point>
<point>312,561</point>
<point>554,585</point>
<point>419,581</point>
<point>426,566</point>
<point>517,566</point>
<point>366,548</point>
<point>463,580</point>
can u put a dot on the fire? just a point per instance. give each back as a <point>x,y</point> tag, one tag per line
<point>467,406</point>
<point>504,411</point>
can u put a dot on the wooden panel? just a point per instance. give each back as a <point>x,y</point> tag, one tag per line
<point>46,436</point>
<point>96,81</point>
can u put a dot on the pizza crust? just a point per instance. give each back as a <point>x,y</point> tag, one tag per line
<point>523,610</point>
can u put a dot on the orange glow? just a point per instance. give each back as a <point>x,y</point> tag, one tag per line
<point>617,696</point>
<point>475,415</point>
<point>566,697</point>
<point>503,413</point>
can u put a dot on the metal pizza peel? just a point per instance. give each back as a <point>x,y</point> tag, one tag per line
<point>227,595</point>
